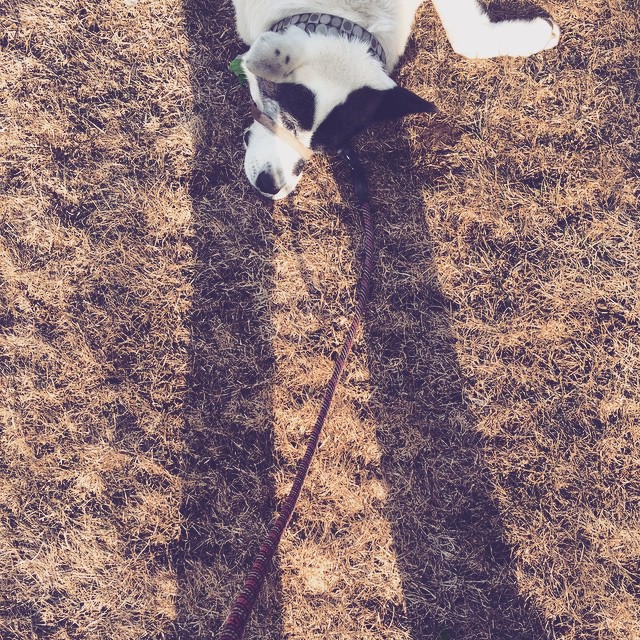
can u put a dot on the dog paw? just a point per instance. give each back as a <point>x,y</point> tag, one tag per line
<point>526,37</point>
<point>274,56</point>
<point>509,38</point>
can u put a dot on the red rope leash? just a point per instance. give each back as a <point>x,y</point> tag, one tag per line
<point>233,628</point>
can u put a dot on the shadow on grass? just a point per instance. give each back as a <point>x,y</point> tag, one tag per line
<point>456,570</point>
<point>457,575</point>
<point>228,457</point>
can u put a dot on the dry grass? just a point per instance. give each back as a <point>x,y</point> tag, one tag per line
<point>166,336</point>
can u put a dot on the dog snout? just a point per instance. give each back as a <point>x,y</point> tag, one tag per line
<point>266,183</point>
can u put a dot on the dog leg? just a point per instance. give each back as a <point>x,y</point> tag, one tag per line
<point>473,35</point>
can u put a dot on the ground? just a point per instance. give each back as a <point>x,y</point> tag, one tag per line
<point>166,336</point>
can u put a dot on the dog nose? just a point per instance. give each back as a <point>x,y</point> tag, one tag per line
<point>266,183</point>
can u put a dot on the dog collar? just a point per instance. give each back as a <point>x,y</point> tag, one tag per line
<point>281,132</point>
<point>327,24</point>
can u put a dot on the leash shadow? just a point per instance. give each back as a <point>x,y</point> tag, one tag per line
<point>227,461</point>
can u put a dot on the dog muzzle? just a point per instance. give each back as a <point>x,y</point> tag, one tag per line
<point>280,132</point>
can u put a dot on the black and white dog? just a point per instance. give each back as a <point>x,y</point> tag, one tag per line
<point>318,71</point>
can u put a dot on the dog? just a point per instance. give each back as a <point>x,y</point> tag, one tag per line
<point>319,71</point>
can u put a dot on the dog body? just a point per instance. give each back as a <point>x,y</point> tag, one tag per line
<point>324,84</point>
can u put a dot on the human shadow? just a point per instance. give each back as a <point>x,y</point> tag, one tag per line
<point>457,573</point>
<point>228,494</point>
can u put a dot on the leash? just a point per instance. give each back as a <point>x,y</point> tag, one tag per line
<point>234,626</point>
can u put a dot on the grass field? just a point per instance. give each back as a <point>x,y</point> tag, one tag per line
<point>166,337</point>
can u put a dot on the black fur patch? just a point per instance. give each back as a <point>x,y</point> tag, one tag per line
<point>399,102</point>
<point>347,119</point>
<point>296,103</point>
<point>362,107</point>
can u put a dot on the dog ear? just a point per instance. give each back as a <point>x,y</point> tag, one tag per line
<point>399,102</point>
<point>361,108</point>
<point>347,119</point>
<point>275,56</point>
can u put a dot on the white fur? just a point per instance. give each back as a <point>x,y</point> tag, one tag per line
<point>334,67</point>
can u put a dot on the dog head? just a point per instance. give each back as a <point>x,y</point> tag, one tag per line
<point>323,90</point>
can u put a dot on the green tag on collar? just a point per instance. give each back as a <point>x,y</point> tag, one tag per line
<point>235,66</point>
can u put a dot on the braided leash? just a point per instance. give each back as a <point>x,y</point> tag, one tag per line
<point>234,626</point>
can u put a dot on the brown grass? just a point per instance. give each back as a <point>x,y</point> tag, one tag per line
<point>166,337</point>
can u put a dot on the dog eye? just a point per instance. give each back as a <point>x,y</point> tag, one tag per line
<point>246,136</point>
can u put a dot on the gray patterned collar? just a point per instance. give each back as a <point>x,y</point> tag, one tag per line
<point>333,25</point>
